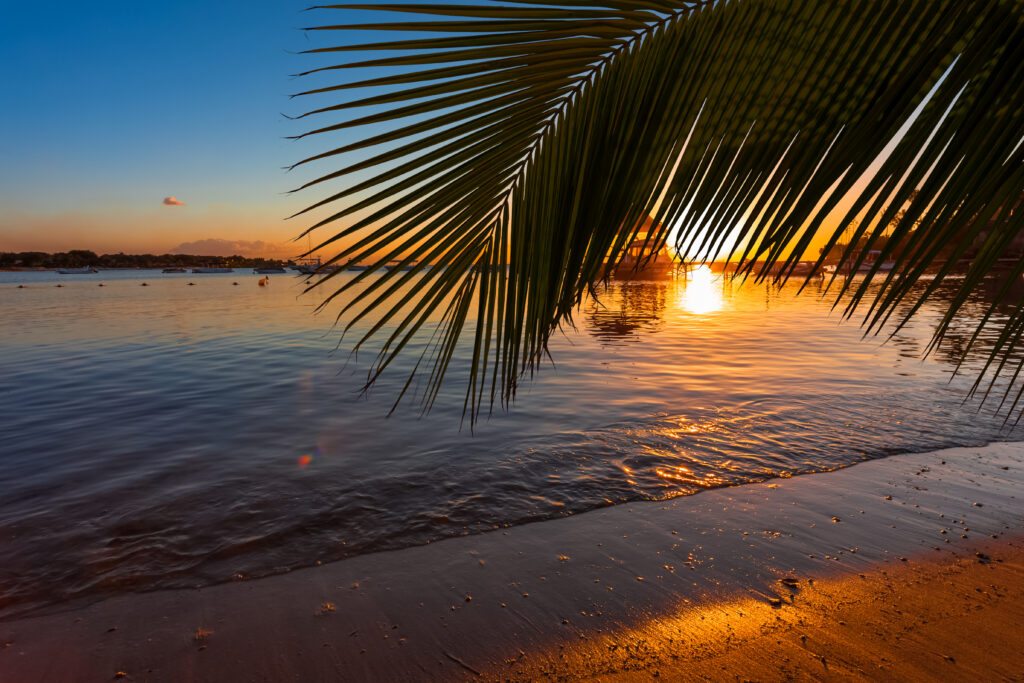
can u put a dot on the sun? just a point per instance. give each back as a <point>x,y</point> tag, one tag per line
<point>702,292</point>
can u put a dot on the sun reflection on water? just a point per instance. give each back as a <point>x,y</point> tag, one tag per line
<point>671,385</point>
<point>702,292</point>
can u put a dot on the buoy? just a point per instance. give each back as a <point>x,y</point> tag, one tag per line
<point>190,284</point>
<point>101,284</point>
<point>21,286</point>
<point>144,285</point>
<point>263,282</point>
<point>235,284</point>
<point>59,285</point>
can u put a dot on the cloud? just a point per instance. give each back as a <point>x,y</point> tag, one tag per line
<point>171,201</point>
<point>213,246</point>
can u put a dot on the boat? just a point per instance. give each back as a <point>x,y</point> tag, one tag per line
<point>639,263</point>
<point>213,270</point>
<point>868,264</point>
<point>307,266</point>
<point>805,268</point>
<point>270,270</point>
<point>88,270</point>
<point>871,261</point>
<point>397,265</point>
<point>315,267</point>
<point>174,270</point>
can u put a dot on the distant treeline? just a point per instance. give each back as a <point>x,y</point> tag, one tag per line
<point>81,258</point>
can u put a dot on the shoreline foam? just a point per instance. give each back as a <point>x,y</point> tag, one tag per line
<point>492,605</point>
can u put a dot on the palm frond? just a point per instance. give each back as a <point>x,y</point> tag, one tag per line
<point>531,143</point>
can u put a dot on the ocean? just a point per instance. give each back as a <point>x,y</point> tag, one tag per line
<point>179,435</point>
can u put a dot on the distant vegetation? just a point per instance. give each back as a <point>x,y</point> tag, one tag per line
<point>80,258</point>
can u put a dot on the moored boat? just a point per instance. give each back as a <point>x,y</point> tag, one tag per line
<point>213,270</point>
<point>872,261</point>
<point>307,266</point>
<point>88,270</point>
<point>174,270</point>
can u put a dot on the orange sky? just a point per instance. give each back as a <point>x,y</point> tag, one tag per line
<point>156,231</point>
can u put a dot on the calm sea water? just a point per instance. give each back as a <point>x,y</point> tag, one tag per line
<point>177,435</point>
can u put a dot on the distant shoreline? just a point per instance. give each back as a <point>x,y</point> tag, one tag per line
<point>102,269</point>
<point>43,261</point>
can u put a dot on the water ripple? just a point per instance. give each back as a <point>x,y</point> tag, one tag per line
<point>180,436</point>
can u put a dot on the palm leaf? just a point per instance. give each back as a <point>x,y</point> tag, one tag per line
<point>531,143</point>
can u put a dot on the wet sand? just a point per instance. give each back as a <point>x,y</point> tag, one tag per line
<point>691,587</point>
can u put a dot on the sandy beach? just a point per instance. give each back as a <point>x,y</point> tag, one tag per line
<point>523,341</point>
<point>906,567</point>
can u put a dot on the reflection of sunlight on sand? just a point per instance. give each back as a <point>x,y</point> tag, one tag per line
<point>702,292</point>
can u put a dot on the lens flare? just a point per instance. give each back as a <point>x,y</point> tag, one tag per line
<point>305,460</point>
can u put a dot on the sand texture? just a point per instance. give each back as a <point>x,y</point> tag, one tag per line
<point>691,587</point>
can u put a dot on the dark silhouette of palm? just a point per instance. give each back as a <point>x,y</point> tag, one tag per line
<point>513,154</point>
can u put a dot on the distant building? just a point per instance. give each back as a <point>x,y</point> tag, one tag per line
<point>659,263</point>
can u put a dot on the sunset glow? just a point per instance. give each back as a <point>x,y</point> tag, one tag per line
<point>702,292</point>
<point>520,341</point>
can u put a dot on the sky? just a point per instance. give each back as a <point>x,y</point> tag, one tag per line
<point>111,108</point>
<point>144,127</point>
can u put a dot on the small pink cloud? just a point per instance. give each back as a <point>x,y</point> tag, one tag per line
<point>171,201</point>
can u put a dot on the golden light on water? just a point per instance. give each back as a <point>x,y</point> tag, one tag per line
<point>702,293</point>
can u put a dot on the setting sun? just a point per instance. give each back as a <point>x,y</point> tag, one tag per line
<point>522,341</point>
<point>702,292</point>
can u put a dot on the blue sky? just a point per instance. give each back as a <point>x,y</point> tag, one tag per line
<point>110,107</point>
